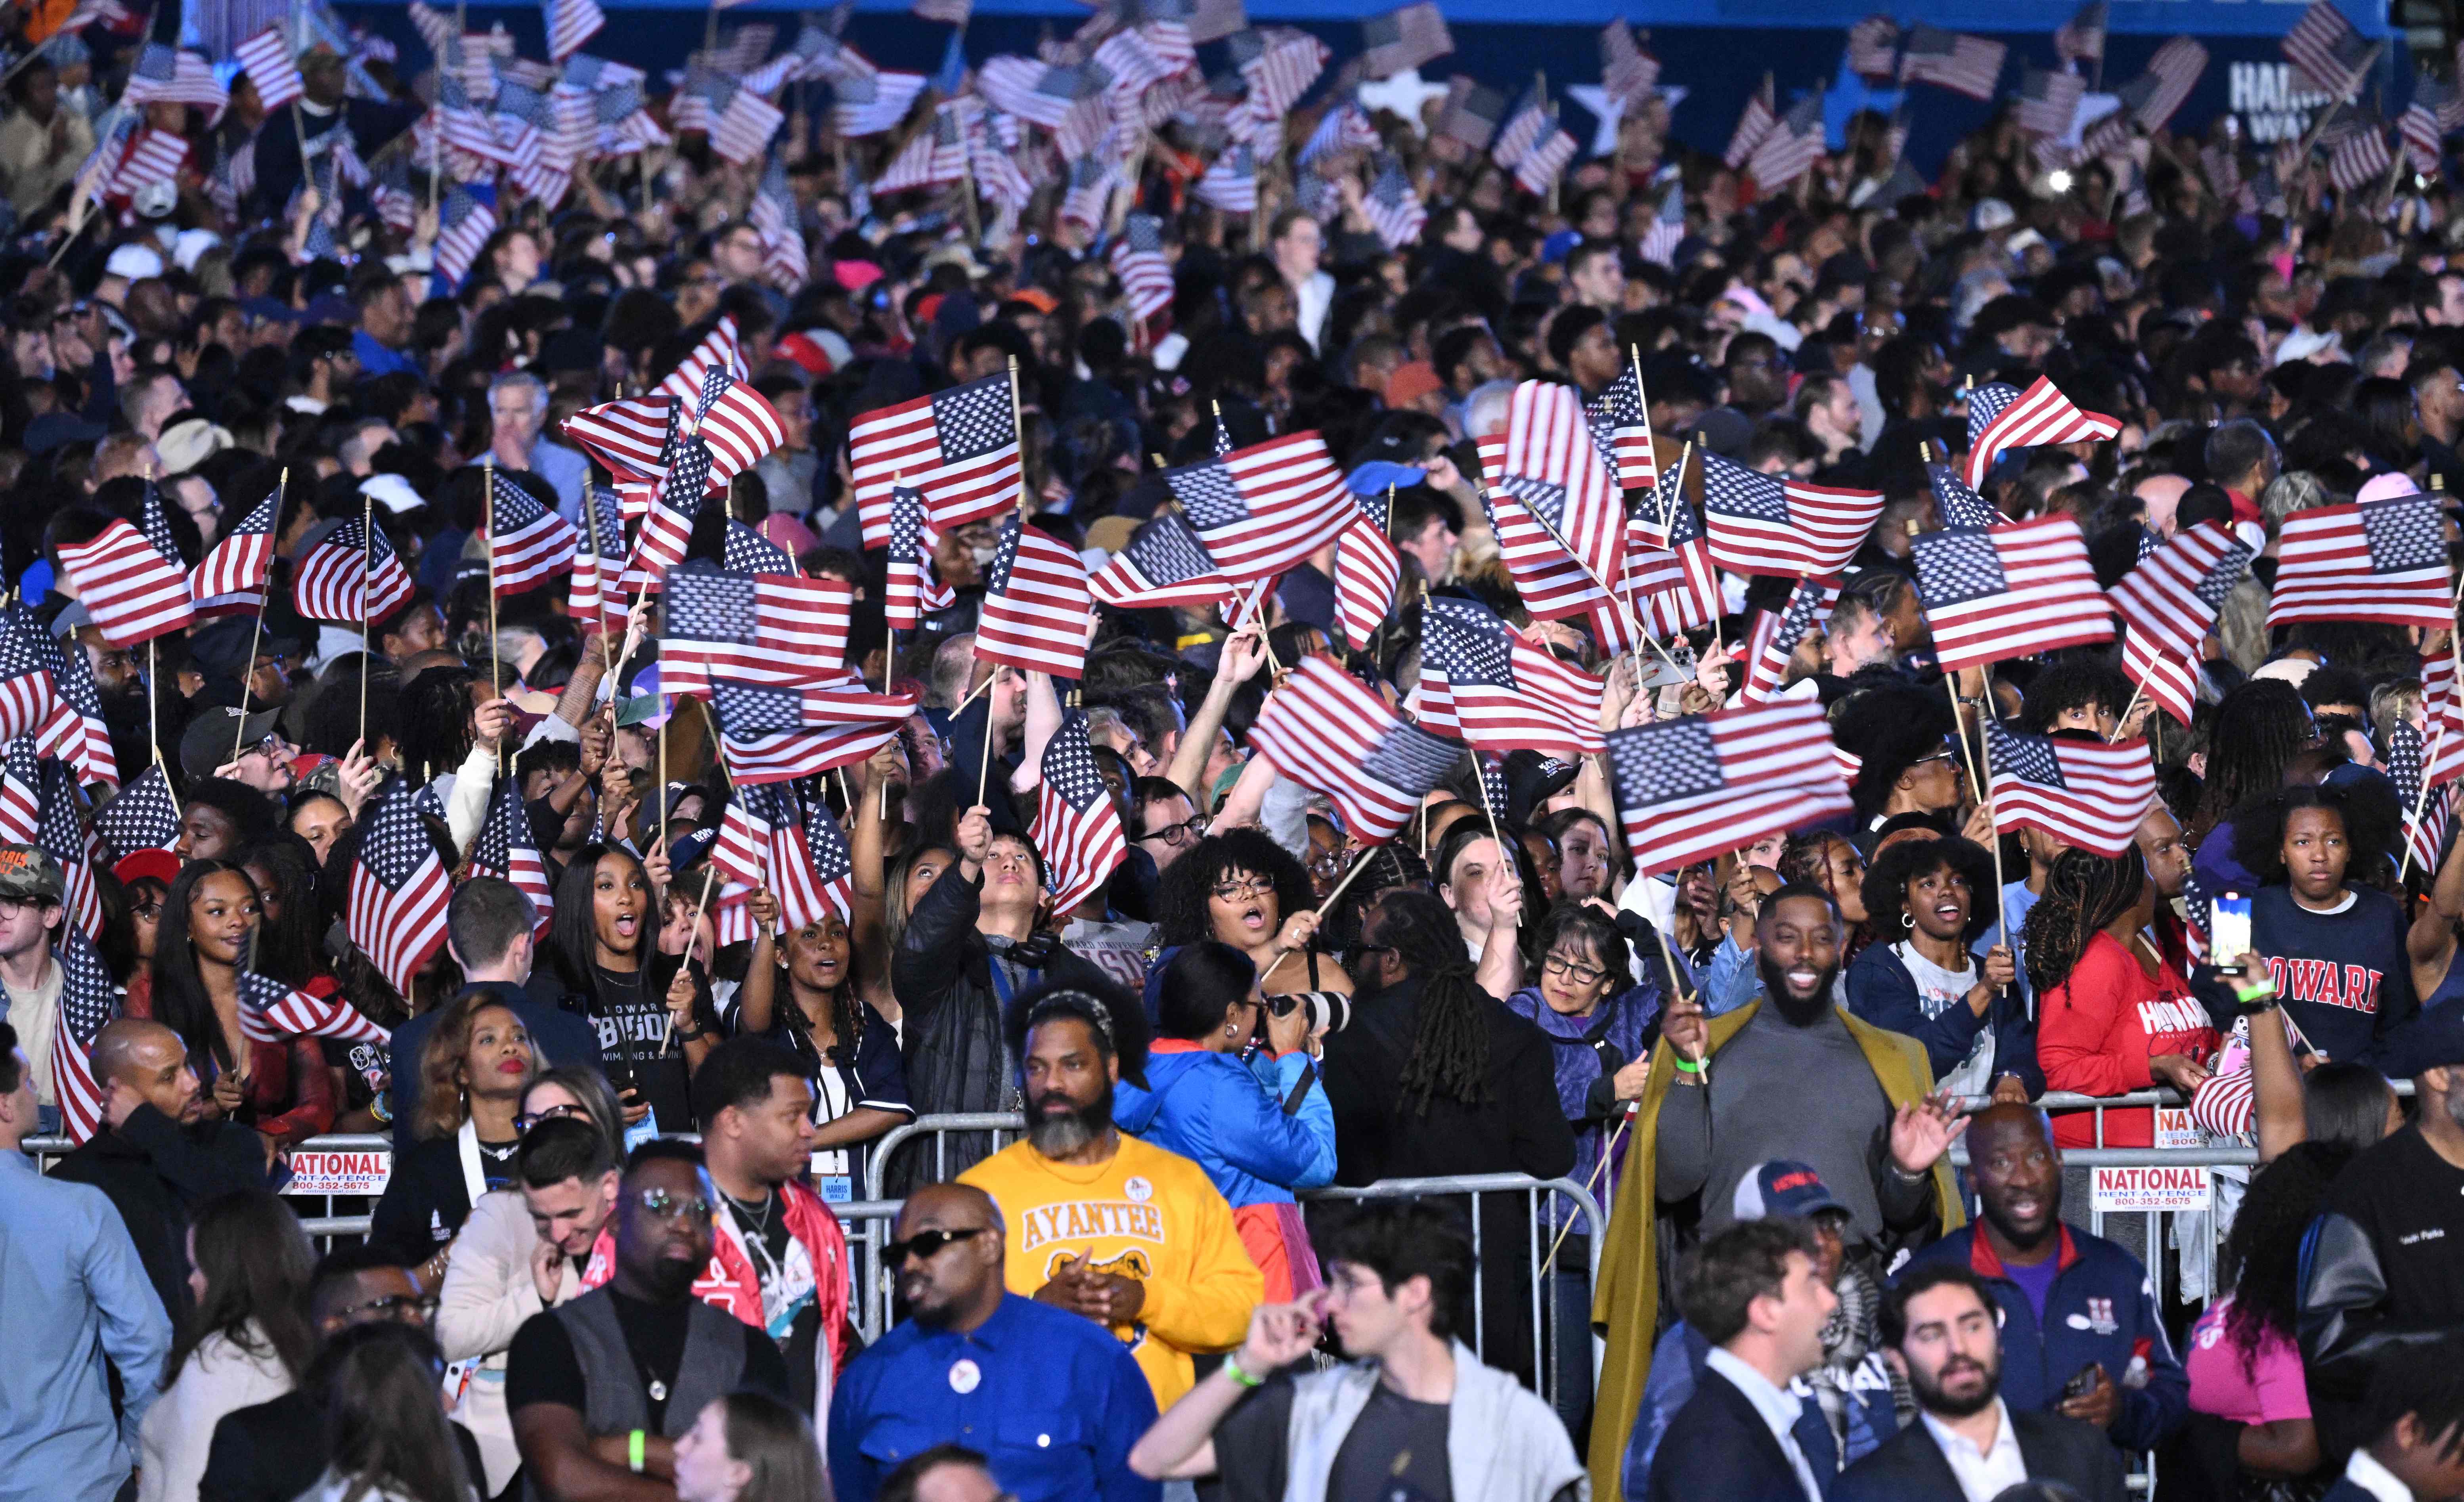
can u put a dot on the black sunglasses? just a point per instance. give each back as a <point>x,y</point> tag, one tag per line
<point>926,1245</point>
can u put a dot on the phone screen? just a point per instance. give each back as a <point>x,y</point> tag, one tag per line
<point>2229,928</point>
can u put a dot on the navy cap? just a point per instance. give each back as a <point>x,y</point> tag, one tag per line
<point>1783,1187</point>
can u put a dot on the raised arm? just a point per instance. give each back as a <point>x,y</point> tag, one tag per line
<point>1244,653</point>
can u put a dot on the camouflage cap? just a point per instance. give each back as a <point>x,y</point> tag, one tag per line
<point>28,873</point>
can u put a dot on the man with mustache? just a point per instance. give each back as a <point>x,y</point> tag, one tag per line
<point>601,1387</point>
<point>1967,1445</point>
<point>1857,1107</point>
<point>1103,1225</point>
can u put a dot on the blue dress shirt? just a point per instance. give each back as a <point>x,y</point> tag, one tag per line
<point>76,1294</point>
<point>1051,1400</point>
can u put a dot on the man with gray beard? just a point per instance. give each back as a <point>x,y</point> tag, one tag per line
<point>2383,1272</point>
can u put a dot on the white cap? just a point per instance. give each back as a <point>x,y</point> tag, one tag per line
<point>192,246</point>
<point>134,262</point>
<point>1992,213</point>
<point>392,492</point>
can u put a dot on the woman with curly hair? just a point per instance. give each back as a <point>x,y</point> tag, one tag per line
<point>2335,945</point>
<point>1241,888</point>
<point>2244,1360</point>
<point>2112,1015</point>
<point>1937,896</point>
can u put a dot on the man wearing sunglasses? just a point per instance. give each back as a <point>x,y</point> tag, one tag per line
<point>599,1388</point>
<point>1050,1398</point>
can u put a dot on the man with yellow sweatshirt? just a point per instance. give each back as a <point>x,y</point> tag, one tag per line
<point>1132,1236</point>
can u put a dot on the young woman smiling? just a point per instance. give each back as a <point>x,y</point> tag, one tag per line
<point>1938,895</point>
<point>282,1088</point>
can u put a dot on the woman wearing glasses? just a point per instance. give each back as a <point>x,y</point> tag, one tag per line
<point>474,1071</point>
<point>1239,888</point>
<point>1601,1022</point>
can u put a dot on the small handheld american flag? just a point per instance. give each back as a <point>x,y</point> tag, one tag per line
<point>2000,418</point>
<point>1324,730</point>
<point>1368,573</point>
<point>2073,786</point>
<point>505,849</point>
<point>1077,827</point>
<point>957,448</point>
<point>2368,561</point>
<point>1620,423</point>
<point>1137,258</point>
<point>764,631</point>
<point>398,892</point>
<point>2009,591</point>
<point>143,816</point>
<point>1693,789</point>
<point>912,586</point>
<point>88,1001</point>
<point>1484,682</point>
<point>271,1012</point>
<point>1774,638</point>
<point>28,690</point>
<point>1164,563</point>
<point>528,544</point>
<point>2170,599</point>
<point>351,577</point>
<point>777,735</point>
<point>231,579</point>
<point>132,582</point>
<point>1264,509</point>
<point>1761,524</point>
<point>1037,610</point>
<point>1955,503</point>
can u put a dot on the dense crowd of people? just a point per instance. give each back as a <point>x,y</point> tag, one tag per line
<point>378,824</point>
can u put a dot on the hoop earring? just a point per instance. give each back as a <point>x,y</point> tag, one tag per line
<point>1908,922</point>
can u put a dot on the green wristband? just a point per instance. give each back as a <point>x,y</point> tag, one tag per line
<point>636,1452</point>
<point>1689,1066</point>
<point>1232,1369</point>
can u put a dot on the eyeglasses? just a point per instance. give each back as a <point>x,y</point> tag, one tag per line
<point>1242,890</point>
<point>1327,865</point>
<point>666,1206</point>
<point>528,1119</point>
<point>1571,970</point>
<point>148,911</point>
<point>926,1245</point>
<point>273,748</point>
<point>1186,831</point>
<point>408,1309</point>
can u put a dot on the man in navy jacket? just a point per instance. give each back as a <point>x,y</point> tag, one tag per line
<point>2076,1308</point>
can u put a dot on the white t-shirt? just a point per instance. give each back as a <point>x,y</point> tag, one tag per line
<point>1938,991</point>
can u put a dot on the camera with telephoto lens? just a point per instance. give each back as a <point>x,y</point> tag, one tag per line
<point>1329,1011</point>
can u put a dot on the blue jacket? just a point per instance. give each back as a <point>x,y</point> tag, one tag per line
<point>2100,1309</point>
<point>1259,1130</point>
<point>1676,1369</point>
<point>1882,992</point>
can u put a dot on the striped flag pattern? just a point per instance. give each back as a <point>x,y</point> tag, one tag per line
<point>2170,599</point>
<point>2367,561</point>
<point>88,1001</point>
<point>1690,789</point>
<point>2325,49</point>
<point>1955,505</point>
<point>769,630</point>
<point>1077,827</point>
<point>913,588</point>
<point>505,849</point>
<point>1621,421</point>
<point>2072,785</point>
<point>271,1012</point>
<point>1324,730</point>
<point>2040,415</point>
<point>1484,682</point>
<point>2009,591</point>
<point>61,831</point>
<point>1761,524</point>
<point>131,582</point>
<point>28,690</point>
<point>1550,464</point>
<point>1775,636</point>
<point>629,436</point>
<point>266,58</point>
<point>1037,610</point>
<point>528,544</point>
<point>596,594</point>
<point>350,577</point>
<point>399,891</point>
<point>1137,258</point>
<point>1955,61</point>
<point>1367,572</point>
<point>1755,121</point>
<point>1262,509</point>
<point>233,576</point>
<point>778,735</point>
<point>1164,564</point>
<point>958,448</point>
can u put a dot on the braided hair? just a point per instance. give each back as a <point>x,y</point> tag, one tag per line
<point>2084,893</point>
<point>2260,728</point>
<point>1450,1044</point>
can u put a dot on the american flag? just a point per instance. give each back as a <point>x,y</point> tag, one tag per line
<point>28,691</point>
<point>1344,128</point>
<point>88,1001</point>
<point>1164,563</point>
<point>2039,415</point>
<point>153,156</point>
<point>2074,786</point>
<point>1627,73</point>
<point>459,119</point>
<point>2009,591</point>
<point>131,582</point>
<point>1957,61</point>
<point>932,155</point>
<point>742,131</point>
<point>913,587</point>
<point>785,263</point>
<point>1037,610</point>
<point>1231,182</point>
<point>2361,158</point>
<point>1264,509</point>
<point>1038,91</point>
<point>1791,147</point>
<point>2369,561</point>
<point>1324,730</point>
<point>464,226</point>
<point>1620,423</point>
<point>399,891</point>
<point>777,735</point>
<point>629,437</point>
<point>62,836</point>
<point>506,848</point>
<point>266,58</point>
<point>1088,190</point>
<point>599,563</point>
<point>745,551</point>
<point>1670,576</point>
<point>529,546</point>
<point>518,116</point>
<point>1874,47</point>
<point>2170,682</point>
<point>1484,682</point>
<point>1775,636</point>
<point>719,349</point>
<point>1691,790</point>
<point>1077,827</point>
<point>741,851</point>
<point>1761,524</point>
<point>2155,94</point>
<point>271,1012</point>
<point>1403,38</point>
<point>73,729</point>
<point>2425,838</point>
<point>1546,459</point>
<point>809,856</point>
<point>2082,37</point>
<point>1760,113</point>
<point>2325,49</point>
<point>2047,100</point>
<point>164,75</point>
<point>1550,580</point>
<point>770,631</point>
<point>21,791</point>
<point>1471,114</point>
<point>957,448</point>
<point>2445,717</point>
<point>1955,503</point>
<point>143,816</point>
<point>2170,599</point>
<point>1540,166</point>
<point>1667,231</point>
<point>1137,258</point>
<point>1280,68</point>
<point>2424,125</point>
<point>870,103</point>
<point>1367,572</point>
<point>1393,207</point>
<point>570,24</point>
<point>1134,67</point>
<point>737,422</point>
<point>351,577</point>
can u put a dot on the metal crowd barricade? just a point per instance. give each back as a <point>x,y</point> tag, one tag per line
<point>323,1228</point>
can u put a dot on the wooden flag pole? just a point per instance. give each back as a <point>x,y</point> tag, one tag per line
<point>154,702</point>
<point>1337,890</point>
<point>367,561</point>
<point>1985,751</point>
<point>248,672</point>
<point>1480,783</point>
<point>1017,431</point>
<point>985,767</point>
<point>495,667</point>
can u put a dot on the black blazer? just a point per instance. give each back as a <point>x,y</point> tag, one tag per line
<point>1717,1446</point>
<point>1909,1467</point>
<point>275,1451</point>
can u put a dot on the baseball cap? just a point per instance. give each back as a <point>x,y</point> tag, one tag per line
<point>134,262</point>
<point>647,706</point>
<point>28,873</point>
<point>1532,779</point>
<point>1785,1187</point>
<point>208,742</point>
<point>393,493</point>
<point>147,866</point>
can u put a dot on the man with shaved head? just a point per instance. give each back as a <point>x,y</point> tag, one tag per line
<point>1050,1398</point>
<point>157,1158</point>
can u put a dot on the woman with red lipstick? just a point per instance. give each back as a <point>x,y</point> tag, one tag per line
<point>478,1062</point>
<point>653,1018</point>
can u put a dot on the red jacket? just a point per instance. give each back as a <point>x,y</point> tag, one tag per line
<point>2097,1031</point>
<point>730,1282</point>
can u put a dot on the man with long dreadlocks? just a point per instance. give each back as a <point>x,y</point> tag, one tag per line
<point>1435,1076</point>
<point>1861,1112</point>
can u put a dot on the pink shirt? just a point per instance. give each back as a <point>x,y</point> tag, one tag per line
<point>2257,1391</point>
